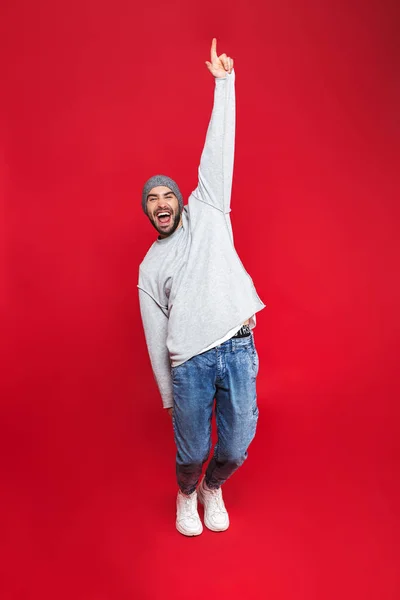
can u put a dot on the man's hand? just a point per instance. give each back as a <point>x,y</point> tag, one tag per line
<point>170,411</point>
<point>219,65</point>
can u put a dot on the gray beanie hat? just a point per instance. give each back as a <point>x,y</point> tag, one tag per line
<point>161,180</point>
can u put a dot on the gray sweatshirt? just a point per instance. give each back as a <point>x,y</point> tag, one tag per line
<point>193,288</point>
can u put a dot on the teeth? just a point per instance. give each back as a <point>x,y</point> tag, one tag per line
<point>163,215</point>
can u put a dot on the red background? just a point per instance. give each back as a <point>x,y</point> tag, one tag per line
<point>98,96</point>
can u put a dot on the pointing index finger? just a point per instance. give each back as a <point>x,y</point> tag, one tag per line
<point>214,49</point>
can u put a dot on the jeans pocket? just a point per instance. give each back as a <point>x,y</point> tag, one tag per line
<point>174,372</point>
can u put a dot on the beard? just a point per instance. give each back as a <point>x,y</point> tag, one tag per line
<point>166,232</point>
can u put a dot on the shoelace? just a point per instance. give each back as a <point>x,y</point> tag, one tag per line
<point>188,505</point>
<point>215,499</point>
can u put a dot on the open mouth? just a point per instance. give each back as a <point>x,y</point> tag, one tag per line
<point>164,218</point>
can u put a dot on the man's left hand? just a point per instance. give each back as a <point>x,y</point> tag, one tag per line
<point>219,65</point>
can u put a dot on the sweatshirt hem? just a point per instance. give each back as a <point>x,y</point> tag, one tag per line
<point>177,363</point>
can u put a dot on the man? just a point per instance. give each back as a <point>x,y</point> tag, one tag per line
<point>198,307</point>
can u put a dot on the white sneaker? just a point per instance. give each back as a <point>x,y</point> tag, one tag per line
<point>216,516</point>
<point>187,518</point>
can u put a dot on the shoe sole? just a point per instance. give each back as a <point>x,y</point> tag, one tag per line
<point>211,528</point>
<point>184,532</point>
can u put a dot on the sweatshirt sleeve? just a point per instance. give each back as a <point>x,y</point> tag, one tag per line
<point>155,324</point>
<point>216,164</point>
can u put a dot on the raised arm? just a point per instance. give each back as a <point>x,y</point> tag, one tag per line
<point>216,164</point>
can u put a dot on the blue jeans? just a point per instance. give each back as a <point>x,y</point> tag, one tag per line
<point>228,374</point>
